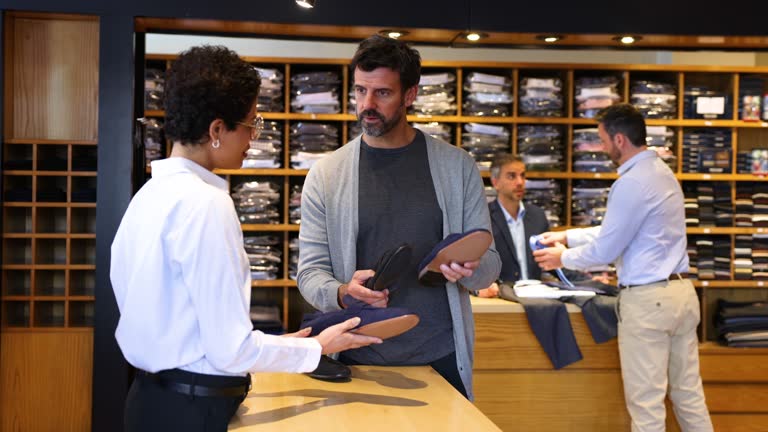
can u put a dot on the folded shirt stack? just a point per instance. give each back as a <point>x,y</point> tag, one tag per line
<point>742,324</point>
<point>154,89</point>
<point>437,95</point>
<point>487,95</point>
<point>654,99</point>
<point>760,256</point>
<point>593,93</point>
<point>484,142</point>
<point>270,97</point>
<point>311,142</point>
<point>154,139</point>
<point>541,97</point>
<point>264,256</point>
<point>589,200</point>
<point>547,194</point>
<point>707,151</point>
<point>742,253</point>
<point>256,202</point>
<point>588,152</point>
<point>315,92</point>
<point>541,147</point>
<point>294,204</point>
<point>267,151</point>
<point>293,258</point>
<point>442,131</point>
<point>661,139</point>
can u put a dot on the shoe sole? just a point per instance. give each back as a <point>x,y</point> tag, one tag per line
<point>388,328</point>
<point>469,248</point>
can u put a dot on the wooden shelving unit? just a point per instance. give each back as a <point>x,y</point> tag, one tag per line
<point>49,236</point>
<point>745,135</point>
<point>48,228</point>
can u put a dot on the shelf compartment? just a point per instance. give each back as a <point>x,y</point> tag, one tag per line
<point>51,188</point>
<point>49,313</point>
<point>717,85</point>
<point>81,313</point>
<point>83,220</point>
<point>50,283</point>
<point>17,251</point>
<point>51,220</point>
<point>82,282</point>
<point>16,283</point>
<point>50,251</point>
<point>82,251</point>
<point>52,158</point>
<point>84,158</point>
<point>15,314</point>
<point>17,220</point>
<point>17,188</point>
<point>83,190</point>
<point>18,158</point>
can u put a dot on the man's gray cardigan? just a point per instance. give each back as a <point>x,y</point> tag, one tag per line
<point>329,227</point>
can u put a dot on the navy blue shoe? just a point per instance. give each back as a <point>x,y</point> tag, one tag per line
<point>459,247</point>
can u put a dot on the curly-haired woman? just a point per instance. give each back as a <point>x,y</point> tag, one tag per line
<point>179,270</point>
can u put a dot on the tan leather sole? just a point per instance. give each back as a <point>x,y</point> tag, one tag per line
<point>389,328</point>
<point>470,248</point>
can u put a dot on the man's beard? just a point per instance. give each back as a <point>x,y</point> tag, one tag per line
<point>381,128</point>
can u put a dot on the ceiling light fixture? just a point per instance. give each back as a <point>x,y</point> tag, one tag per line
<point>306,4</point>
<point>394,34</point>
<point>550,38</point>
<point>475,36</point>
<point>627,39</point>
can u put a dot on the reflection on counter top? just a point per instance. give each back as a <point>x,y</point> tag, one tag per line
<point>386,399</point>
<point>498,305</point>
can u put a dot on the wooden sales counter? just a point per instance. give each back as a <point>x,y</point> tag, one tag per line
<point>517,388</point>
<point>387,399</point>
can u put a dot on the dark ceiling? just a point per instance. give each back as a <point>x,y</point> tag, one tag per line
<point>746,17</point>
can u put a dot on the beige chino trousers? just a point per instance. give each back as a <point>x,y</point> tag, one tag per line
<point>659,352</point>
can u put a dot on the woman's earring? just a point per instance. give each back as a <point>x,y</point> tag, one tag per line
<point>216,143</point>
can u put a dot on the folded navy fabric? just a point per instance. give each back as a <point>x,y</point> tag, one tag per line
<point>374,321</point>
<point>600,314</point>
<point>551,325</point>
<point>458,247</point>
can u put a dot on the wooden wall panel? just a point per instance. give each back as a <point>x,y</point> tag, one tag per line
<point>746,367</point>
<point>55,68</point>
<point>45,380</point>
<point>740,423</point>
<point>516,387</point>
<point>495,349</point>
<point>544,401</point>
<point>737,398</point>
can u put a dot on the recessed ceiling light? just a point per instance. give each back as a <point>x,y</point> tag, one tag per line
<point>307,4</point>
<point>475,36</point>
<point>627,39</point>
<point>550,38</point>
<point>394,34</point>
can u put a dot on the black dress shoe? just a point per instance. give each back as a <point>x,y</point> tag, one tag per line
<point>389,267</point>
<point>331,370</point>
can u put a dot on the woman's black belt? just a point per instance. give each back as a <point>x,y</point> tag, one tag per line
<point>172,383</point>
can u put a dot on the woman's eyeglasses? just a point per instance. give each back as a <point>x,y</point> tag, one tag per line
<point>256,126</point>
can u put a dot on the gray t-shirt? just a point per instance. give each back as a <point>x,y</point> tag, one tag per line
<point>398,204</point>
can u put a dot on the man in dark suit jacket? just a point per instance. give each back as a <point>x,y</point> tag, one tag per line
<point>508,178</point>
